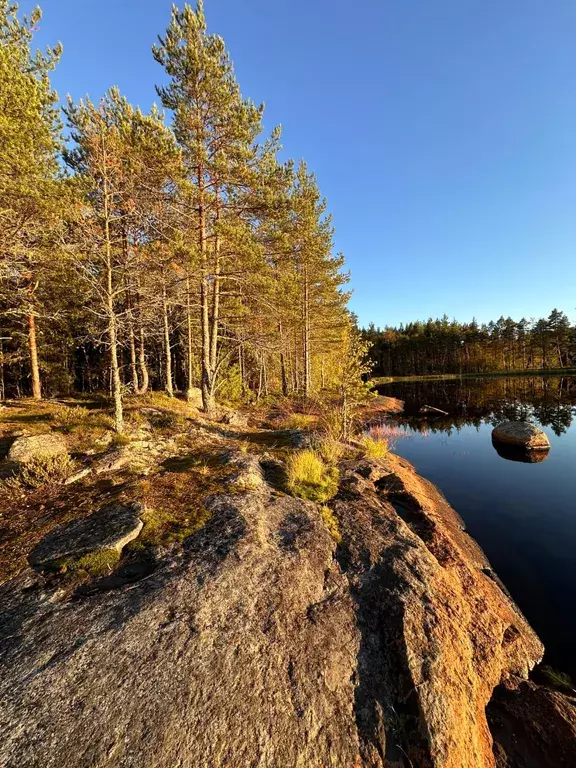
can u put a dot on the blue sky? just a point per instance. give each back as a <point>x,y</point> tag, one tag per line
<point>443,133</point>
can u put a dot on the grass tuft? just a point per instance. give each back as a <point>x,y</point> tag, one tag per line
<point>331,522</point>
<point>300,421</point>
<point>373,448</point>
<point>309,477</point>
<point>330,450</point>
<point>162,527</point>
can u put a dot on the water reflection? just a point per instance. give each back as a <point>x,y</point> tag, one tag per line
<point>518,453</point>
<point>551,401</point>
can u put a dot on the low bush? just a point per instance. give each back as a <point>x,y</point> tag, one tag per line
<point>45,471</point>
<point>309,477</point>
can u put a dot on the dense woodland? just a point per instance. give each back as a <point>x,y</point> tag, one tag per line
<point>444,346</point>
<point>166,250</point>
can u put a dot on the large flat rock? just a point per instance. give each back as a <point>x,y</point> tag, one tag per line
<point>521,433</point>
<point>112,527</point>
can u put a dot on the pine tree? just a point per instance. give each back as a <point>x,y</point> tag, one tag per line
<point>29,183</point>
<point>122,158</point>
<point>216,130</point>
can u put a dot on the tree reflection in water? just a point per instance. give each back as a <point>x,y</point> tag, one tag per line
<point>549,400</point>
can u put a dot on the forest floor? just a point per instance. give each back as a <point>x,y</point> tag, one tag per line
<point>379,380</point>
<point>170,459</point>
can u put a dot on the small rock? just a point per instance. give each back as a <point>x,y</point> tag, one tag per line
<point>112,527</point>
<point>77,476</point>
<point>194,397</point>
<point>26,449</point>
<point>235,419</point>
<point>112,461</point>
<point>521,433</point>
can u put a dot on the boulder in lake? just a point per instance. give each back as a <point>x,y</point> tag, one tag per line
<point>521,433</point>
<point>111,528</point>
<point>37,448</point>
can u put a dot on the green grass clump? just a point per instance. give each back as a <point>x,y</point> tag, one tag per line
<point>309,477</point>
<point>331,522</point>
<point>119,441</point>
<point>372,448</point>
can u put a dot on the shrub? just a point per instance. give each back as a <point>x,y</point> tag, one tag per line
<point>166,420</point>
<point>373,448</point>
<point>68,417</point>
<point>308,477</point>
<point>331,522</point>
<point>45,471</point>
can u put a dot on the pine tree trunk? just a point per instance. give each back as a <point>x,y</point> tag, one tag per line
<point>208,402</point>
<point>167,350</point>
<point>144,376</point>
<point>112,330</point>
<point>189,344</point>
<point>133,368</point>
<point>306,335</point>
<point>283,362</point>
<point>34,367</point>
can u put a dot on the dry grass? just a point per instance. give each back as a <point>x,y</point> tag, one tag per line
<point>309,477</point>
<point>300,421</point>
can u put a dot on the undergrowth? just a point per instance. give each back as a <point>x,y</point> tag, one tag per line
<point>42,472</point>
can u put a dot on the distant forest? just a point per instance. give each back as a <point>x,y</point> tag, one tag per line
<point>447,346</point>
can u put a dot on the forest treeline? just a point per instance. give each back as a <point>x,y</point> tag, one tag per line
<point>447,346</point>
<point>153,250</point>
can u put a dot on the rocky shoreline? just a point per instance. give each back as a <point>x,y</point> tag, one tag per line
<point>265,640</point>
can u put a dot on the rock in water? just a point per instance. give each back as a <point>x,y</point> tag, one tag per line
<point>521,433</point>
<point>111,528</point>
<point>37,447</point>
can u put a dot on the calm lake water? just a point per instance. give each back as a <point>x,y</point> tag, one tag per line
<point>522,514</point>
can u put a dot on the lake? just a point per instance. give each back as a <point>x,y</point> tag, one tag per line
<point>522,514</point>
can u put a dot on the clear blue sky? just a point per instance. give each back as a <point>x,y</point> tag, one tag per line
<point>442,132</point>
